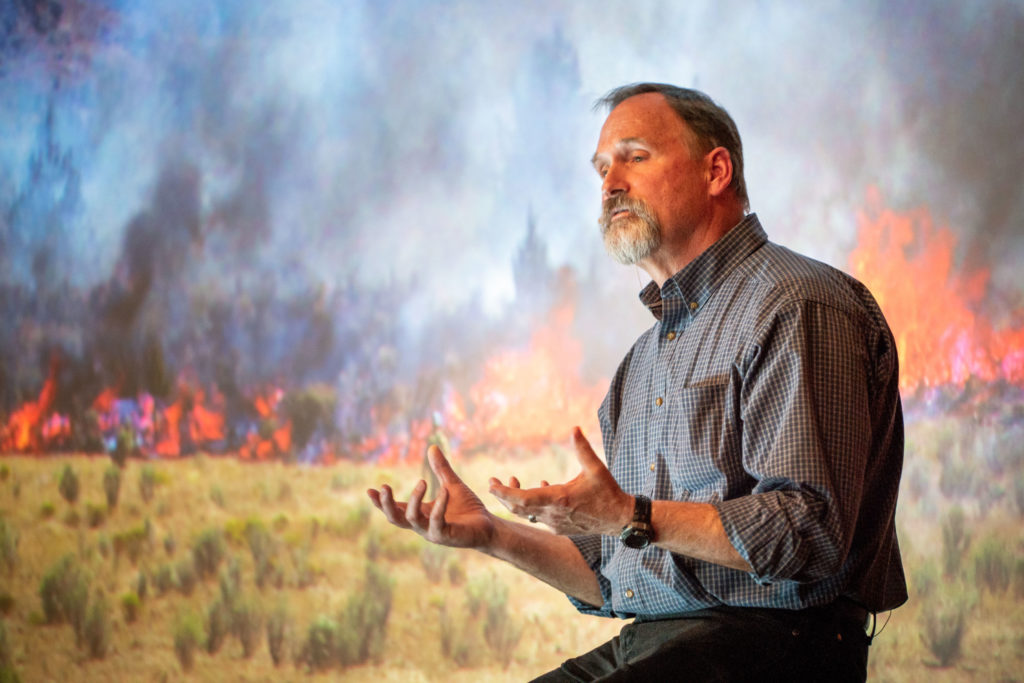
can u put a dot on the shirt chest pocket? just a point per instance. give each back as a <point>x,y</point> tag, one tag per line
<point>699,440</point>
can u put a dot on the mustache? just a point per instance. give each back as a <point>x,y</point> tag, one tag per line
<point>617,202</point>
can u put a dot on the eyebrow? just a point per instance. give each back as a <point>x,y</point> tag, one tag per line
<point>623,143</point>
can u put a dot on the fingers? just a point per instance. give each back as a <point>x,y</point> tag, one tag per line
<point>584,453</point>
<point>436,522</point>
<point>413,509</point>
<point>384,500</point>
<point>439,464</point>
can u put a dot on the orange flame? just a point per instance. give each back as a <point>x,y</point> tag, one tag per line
<point>908,263</point>
<point>534,397</point>
<point>24,428</point>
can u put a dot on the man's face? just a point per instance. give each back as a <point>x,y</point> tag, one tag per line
<point>651,183</point>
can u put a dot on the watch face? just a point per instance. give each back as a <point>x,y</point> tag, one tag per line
<point>633,537</point>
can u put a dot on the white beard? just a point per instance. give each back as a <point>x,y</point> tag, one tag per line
<point>632,238</point>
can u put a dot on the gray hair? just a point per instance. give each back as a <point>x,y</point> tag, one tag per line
<point>711,124</point>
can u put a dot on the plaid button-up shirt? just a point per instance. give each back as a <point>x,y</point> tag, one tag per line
<point>768,387</point>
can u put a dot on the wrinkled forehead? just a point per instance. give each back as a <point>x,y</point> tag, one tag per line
<point>646,118</point>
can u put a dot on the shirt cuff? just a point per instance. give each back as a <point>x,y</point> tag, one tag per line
<point>590,548</point>
<point>758,528</point>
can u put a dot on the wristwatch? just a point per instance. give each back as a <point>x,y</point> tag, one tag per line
<point>638,534</point>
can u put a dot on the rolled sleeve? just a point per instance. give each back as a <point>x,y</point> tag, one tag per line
<point>590,548</point>
<point>806,441</point>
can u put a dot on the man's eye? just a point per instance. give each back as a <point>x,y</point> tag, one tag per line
<point>638,157</point>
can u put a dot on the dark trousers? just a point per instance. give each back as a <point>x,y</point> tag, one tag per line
<point>731,644</point>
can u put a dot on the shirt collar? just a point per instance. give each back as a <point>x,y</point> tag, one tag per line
<point>691,287</point>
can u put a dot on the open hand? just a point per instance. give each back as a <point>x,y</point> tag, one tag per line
<point>592,502</point>
<point>456,518</point>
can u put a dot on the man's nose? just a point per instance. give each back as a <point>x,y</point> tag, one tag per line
<point>614,182</point>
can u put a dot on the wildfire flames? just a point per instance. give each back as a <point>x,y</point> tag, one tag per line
<point>908,263</point>
<point>526,398</point>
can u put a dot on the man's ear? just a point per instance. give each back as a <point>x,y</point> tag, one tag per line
<point>719,169</point>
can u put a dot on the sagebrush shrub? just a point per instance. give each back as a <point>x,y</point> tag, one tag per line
<point>993,565</point>
<point>247,623</point>
<point>68,484</point>
<point>112,485</point>
<point>943,626</point>
<point>8,546</point>
<point>319,650</point>
<point>186,575</point>
<point>218,626</point>
<point>131,604</point>
<point>97,628</point>
<point>147,482</point>
<point>208,552</point>
<point>61,591</point>
<point>955,539</point>
<point>188,633</point>
<point>365,618</point>
<point>277,629</point>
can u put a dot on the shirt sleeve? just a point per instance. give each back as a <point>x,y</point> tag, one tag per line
<point>589,546</point>
<point>806,439</point>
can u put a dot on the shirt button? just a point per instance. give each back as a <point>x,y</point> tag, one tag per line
<point>658,401</point>
<point>670,336</point>
<point>652,467</point>
<point>628,592</point>
<point>693,305</point>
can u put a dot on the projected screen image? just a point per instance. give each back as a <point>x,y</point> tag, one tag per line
<point>257,258</point>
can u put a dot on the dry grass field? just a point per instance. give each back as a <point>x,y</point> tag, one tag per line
<point>308,535</point>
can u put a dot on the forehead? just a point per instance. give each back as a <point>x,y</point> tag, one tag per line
<point>648,117</point>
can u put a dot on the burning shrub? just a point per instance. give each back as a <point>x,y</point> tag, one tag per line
<point>112,485</point>
<point>993,565</point>
<point>208,552</point>
<point>130,606</point>
<point>97,629</point>
<point>309,409</point>
<point>188,633</point>
<point>68,484</point>
<point>277,629</point>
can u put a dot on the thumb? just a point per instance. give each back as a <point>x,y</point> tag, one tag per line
<point>584,453</point>
<point>441,467</point>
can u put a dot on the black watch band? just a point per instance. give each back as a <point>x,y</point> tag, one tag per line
<point>639,533</point>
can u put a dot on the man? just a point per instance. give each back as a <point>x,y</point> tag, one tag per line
<point>753,436</point>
